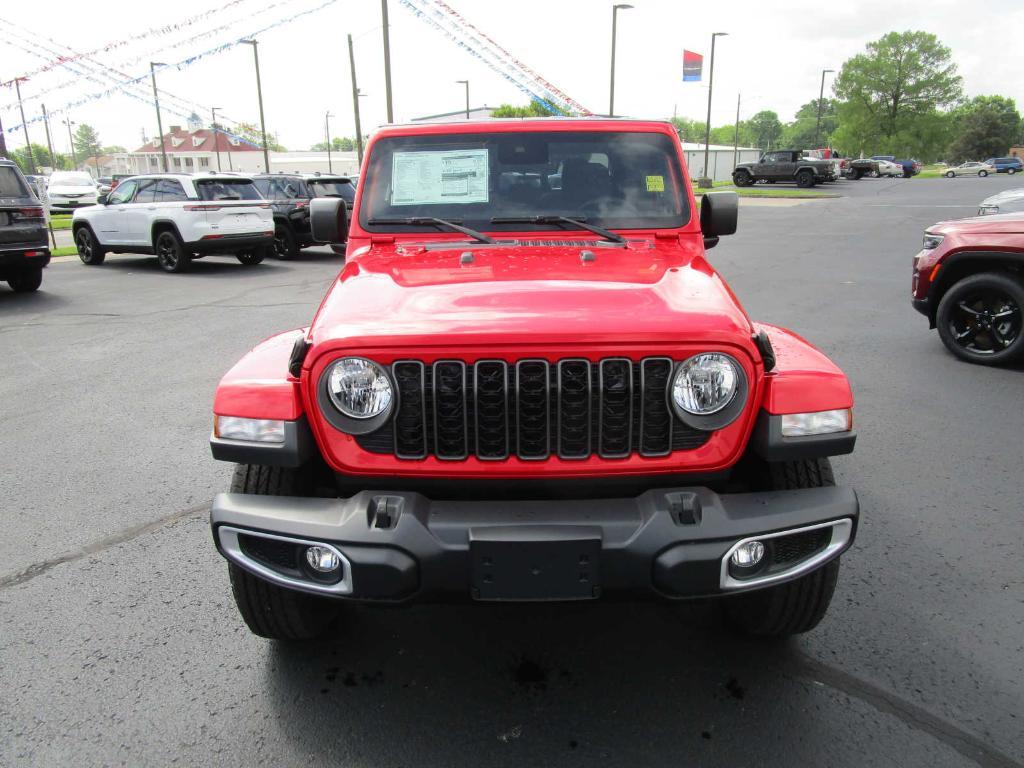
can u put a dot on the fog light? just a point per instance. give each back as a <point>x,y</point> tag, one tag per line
<point>747,555</point>
<point>322,559</point>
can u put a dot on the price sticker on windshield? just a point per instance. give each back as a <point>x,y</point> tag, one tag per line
<point>457,176</point>
<point>655,183</point>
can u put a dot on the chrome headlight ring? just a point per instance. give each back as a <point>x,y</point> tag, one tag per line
<point>356,395</point>
<point>716,369</point>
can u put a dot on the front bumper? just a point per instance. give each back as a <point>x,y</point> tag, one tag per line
<point>399,546</point>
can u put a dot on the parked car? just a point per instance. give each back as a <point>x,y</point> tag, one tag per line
<point>970,169</point>
<point>785,165</point>
<point>178,217</point>
<point>24,249</point>
<point>968,280</point>
<point>68,190</point>
<point>858,169</point>
<point>887,168</point>
<point>1007,201</point>
<point>827,153</point>
<point>117,178</point>
<point>290,193</point>
<point>909,167</point>
<point>1010,165</point>
<point>531,394</point>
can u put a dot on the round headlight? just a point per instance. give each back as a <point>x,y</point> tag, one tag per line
<point>706,383</point>
<point>359,388</point>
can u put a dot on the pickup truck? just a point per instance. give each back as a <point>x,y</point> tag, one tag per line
<point>786,165</point>
<point>518,393</point>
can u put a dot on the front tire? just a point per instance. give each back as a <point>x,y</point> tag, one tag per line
<point>796,606</point>
<point>950,174</point>
<point>983,173</point>
<point>742,178</point>
<point>170,253</point>
<point>28,281</point>
<point>805,179</point>
<point>268,610</point>
<point>1011,171</point>
<point>980,319</point>
<point>285,245</point>
<point>89,250</point>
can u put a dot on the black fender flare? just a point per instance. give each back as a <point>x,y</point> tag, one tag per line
<point>160,225</point>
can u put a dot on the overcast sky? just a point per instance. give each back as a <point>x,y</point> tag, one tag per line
<point>774,55</point>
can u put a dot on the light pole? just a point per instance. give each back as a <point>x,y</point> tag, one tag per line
<point>24,125</point>
<point>821,97</point>
<point>704,182</point>
<point>49,141</point>
<point>466,83</point>
<point>327,127</point>
<point>216,135</point>
<point>611,87</point>
<point>387,58</point>
<point>156,100</point>
<point>736,136</point>
<point>71,143</point>
<point>355,101</point>
<point>259,95</point>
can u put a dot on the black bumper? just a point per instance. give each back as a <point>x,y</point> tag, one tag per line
<point>398,546</point>
<point>231,244</point>
<point>923,306</point>
<point>13,258</point>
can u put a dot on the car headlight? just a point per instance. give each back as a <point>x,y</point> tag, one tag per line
<point>931,241</point>
<point>359,388</point>
<point>706,383</point>
<point>988,210</point>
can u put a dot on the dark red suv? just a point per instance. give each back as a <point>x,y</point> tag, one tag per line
<point>969,282</point>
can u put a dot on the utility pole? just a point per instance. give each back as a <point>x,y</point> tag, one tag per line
<point>387,59</point>
<point>24,125</point>
<point>49,142</point>
<point>611,87</point>
<point>327,128</point>
<point>3,140</point>
<point>466,83</point>
<point>71,143</point>
<point>704,182</point>
<point>355,98</point>
<point>156,100</point>
<point>821,97</point>
<point>259,94</point>
<point>216,134</point>
<point>736,136</point>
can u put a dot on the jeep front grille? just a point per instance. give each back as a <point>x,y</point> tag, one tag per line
<point>533,409</point>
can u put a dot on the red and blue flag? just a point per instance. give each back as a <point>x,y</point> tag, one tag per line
<point>693,64</point>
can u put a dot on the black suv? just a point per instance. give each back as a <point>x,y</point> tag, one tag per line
<point>290,193</point>
<point>24,249</point>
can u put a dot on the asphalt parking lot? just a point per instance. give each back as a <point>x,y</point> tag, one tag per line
<point>119,642</point>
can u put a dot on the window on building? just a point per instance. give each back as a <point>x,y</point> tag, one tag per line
<point>204,162</point>
<point>188,162</point>
<point>153,163</point>
<point>177,162</point>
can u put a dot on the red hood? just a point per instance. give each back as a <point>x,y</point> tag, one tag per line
<point>658,290</point>
<point>1003,224</point>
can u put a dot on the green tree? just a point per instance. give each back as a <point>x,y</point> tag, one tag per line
<point>338,144</point>
<point>113,149</point>
<point>891,95</point>
<point>763,130</point>
<point>252,133</point>
<point>689,130</point>
<point>533,109</point>
<point>800,134</point>
<point>984,127</point>
<point>42,158</point>
<point>87,142</point>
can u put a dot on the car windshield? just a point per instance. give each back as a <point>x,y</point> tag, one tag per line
<point>618,179</point>
<point>227,189</point>
<point>341,189</point>
<point>72,179</point>
<point>11,184</point>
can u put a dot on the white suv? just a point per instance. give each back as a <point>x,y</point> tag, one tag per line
<point>177,217</point>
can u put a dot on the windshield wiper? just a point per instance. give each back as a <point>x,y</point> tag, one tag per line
<point>421,221</point>
<point>580,221</point>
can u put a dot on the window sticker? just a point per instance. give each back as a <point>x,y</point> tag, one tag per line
<point>445,176</point>
<point>655,183</point>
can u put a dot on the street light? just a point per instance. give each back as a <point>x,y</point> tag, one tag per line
<point>24,125</point>
<point>71,142</point>
<point>216,137</point>
<point>704,182</point>
<point>611,88</point>
<point>821,96</point>
<point>156,100</point>
<point>327,127</point>
<point>355,101</point>
<point>259,95</point>
<point>466,83</point>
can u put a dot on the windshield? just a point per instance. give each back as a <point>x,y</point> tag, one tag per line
<point>611,179</point>
<point>72,179</point>
<point>227,189</point>
<point>341,189</point>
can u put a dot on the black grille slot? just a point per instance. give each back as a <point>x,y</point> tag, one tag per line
<point>615,427</point>
<point>533,412</point>
<point>788,550</point>
<point>450,414</point>
<point>574,396</point>
<point>490,391</point>
<point>655,417</point>
<point>411,419</point>
<point>574,408</point>
<point>276,554</point>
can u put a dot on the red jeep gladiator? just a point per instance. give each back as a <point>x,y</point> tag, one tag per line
<point>528,383</point>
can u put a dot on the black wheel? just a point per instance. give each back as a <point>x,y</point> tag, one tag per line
<point>983,173</point>
<point>805,179</point>
<point>27,281</point>
<point>269,610</point>
<point>89,250</point>
<point>856,173</point>
<point>285,244</point>
<point>950,174</point>
<point>907,174</point>
<point>170,254</point>
<point>742,178</point>
<point>980,319</point>
<point>795,606</point>
<point>253,257</point>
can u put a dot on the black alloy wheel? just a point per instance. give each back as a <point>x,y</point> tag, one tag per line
<point>285,244</point>
<point>170,254</point>
<point>742,178</point>
<point>981,318</point>
<point>805,179</point>
<point>89,251</point>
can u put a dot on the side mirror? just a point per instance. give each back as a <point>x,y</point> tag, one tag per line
<point>103,199</point>
<point>719,212</point>
<point>328,220</point>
